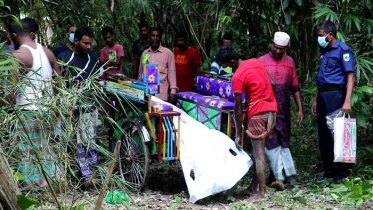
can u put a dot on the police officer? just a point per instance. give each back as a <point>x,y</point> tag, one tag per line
<point>335,82</point>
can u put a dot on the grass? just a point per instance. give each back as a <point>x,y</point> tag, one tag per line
<point>300,195</point>
<point>60,110</point>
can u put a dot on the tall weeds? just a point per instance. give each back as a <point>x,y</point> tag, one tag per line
<point>58,122</point>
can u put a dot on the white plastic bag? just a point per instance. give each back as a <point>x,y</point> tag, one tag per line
<point>344,139</point>
<point>210,160</point>
<point>330,118</point>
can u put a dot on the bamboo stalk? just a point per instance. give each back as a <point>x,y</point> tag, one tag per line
<point>194,33</point>
<point>108,175</point>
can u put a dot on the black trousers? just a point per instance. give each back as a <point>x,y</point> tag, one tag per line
<point>327,102</point>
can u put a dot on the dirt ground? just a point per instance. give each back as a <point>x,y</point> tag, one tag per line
<point>166,190</point>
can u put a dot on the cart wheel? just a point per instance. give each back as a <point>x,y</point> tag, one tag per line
<point>134,154</point>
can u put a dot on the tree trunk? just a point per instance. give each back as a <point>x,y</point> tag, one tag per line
<point>8,186</point>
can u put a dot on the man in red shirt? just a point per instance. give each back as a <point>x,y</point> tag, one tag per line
<point>252,79</point>
<point>113,53</point>
<point>188,61</point>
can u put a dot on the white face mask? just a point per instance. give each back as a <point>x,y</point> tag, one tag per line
<point>71,37</point>
<point>323,41</point>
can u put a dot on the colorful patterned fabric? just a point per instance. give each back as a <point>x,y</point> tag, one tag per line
<point>216,87</point>
<point>208,100</point>
<point>152,77</point>
<point>152,88</point>
<point>225,90</point>
<point>151,74</point>
<point>210,117</point>
<point>207,85</point>
<point>29,166</point>
<point>166,60</point>
<point>260,125</point>
<point>161,107</point>
<point>86,137</point>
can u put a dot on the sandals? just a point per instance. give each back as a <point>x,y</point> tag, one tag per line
<point>278,185</point>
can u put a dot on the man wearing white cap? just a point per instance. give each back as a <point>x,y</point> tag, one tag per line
<point>283,71</point>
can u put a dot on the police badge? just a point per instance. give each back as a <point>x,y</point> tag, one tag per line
<point>346,57</point>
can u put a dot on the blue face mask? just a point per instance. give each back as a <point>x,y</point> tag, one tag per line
<point>323,41</point>
<point>71,37</point>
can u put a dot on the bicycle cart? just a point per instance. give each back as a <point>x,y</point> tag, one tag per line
<point>145,128</point>
<point>148,128</point>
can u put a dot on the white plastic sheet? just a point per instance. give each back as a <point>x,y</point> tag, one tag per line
<point>344,139</point>
<point>210,156</point>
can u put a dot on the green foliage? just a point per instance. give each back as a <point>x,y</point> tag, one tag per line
<point>27,203</point>
<point>252,23</point>
<point>80,207</point>
<point>353,191</point>
<point>360,103</point>
<point>230,198</point>
<point>61,108</point>
<point>242,206</point>
<point>364,65</point>
<point>364,164</point>
<point>324,12</point>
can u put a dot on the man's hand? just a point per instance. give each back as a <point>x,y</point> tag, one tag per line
<point>300,117</point>
<point>173,99</point>
<point>313,107</point>
<point>346,108</point>
<point>237,141</point>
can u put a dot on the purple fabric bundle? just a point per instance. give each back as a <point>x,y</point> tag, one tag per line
<point>208,100</point>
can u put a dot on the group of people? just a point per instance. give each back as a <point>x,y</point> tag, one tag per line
<point>268,108</point>
<point>77,60</point>
<point>268,83</point>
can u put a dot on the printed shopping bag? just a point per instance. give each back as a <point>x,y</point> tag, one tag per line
<point>344,139</point>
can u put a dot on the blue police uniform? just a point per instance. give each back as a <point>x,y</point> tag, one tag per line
<point>335,62</point>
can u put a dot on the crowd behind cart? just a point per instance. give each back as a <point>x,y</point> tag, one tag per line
<point>253,95</point>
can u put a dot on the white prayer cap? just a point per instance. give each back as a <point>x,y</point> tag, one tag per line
<point>281,38</point>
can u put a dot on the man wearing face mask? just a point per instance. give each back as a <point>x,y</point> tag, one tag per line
<point>69,42</point>
<point>187,61</point>
<point>80,64</point>
<point>335,81</point>
<point>157,54</point>
<point>281,68</point>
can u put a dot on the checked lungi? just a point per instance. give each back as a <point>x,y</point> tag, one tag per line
<point>260,125</point>
<point>35,130</point>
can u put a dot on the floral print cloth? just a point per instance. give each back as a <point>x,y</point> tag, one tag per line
<point>208,100</point>
<point>161,107</point>
<point>216,87</point>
